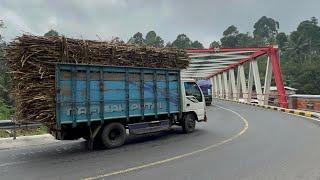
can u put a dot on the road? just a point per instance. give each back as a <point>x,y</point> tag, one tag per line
<point>239,142</point>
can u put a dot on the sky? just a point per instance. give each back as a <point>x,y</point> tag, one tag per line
<point>202,20</point>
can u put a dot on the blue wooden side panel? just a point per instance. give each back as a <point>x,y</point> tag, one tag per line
<point>88,93</point>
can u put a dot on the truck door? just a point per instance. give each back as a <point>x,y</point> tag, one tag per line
<point>194,100</point>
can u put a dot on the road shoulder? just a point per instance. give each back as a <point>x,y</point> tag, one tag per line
<point>23,141</point>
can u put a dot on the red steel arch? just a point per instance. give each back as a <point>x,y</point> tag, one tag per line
<point>213,63</point>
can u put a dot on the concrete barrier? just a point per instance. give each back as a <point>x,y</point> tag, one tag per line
<point>309,114</point>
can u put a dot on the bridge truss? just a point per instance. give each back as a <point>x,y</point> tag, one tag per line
<point>219,65</point>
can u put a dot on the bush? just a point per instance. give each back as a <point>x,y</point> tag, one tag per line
<point>5,110</point>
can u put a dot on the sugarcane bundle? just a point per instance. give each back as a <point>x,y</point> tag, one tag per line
<point>32,59</point>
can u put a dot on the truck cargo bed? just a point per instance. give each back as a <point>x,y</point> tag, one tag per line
<point>86,93</point>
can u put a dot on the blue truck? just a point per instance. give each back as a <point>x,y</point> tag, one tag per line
<point>98,103</point>
<point>206,88</point>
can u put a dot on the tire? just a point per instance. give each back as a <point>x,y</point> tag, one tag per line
<point>188,123</point>
<point>113,135</point>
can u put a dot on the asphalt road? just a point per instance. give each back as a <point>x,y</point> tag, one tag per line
<point>272,145</point>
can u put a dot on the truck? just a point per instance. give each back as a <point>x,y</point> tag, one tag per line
<point>206,88</point>
<point>102,103</point>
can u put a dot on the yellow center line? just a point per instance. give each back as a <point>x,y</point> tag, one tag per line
<point>122,171</point>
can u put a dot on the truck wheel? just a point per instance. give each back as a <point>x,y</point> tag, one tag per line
<point>113,135</point>
<point>188,123</point>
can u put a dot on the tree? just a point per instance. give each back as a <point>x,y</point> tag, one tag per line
<point>300,58</point>
<point>117,40</point>
<point>1,26</point>
<point>153,40</point>
<point>51,33</point>
<point>214,44</point>
<point>229,41</point>
<point>5,101</point>
<point>309,32</point>
<point>182,42</point>
<point>231,31</point>
<point>229,38</point>
<point>265,30</point>
<point>244,40</point>
<point>197,45</point>
<point>137,39</point>
<point>168,45</point>
<point>282,39</point>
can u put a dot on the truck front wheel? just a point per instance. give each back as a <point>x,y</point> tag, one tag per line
<point>113,135</point>
<point>188,123</point>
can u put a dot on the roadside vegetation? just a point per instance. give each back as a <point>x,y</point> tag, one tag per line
<point>6,109</point>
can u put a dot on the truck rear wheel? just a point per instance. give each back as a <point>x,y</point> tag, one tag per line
<point>188,123</point>
<point>113,135</point>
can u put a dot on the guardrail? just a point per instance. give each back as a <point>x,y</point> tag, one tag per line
<point>10,125</point>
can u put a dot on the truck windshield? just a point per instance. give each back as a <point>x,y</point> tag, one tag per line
<point>192,89</point>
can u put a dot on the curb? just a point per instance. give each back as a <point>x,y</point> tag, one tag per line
<point>308,114</point>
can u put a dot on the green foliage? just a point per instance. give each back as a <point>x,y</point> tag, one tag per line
<point>1,26</point>
<point>265,30</point>
<point>51,33</point>
<point>214,44</point>
<point>5,110</point>
<point>168,45</point>
<point>5,100</point>
<point>197,45</point>
<point>182,42</point>
<point>282,39</point>
<point>229,38</point>
<point>137,39</point>
<point>301,58</point>
<point>232,38</point>
<point>231,31</point>
<point>153,40</point>
<point>117,40</point>
<point>4,77</point>
<point>245,40</point>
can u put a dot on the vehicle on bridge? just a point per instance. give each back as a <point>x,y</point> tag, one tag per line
<point>142,100</point>
<point>206,88</point>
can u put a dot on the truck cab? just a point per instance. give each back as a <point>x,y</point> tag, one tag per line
<point>193,99</point>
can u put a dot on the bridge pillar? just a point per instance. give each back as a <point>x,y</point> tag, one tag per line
<point>226,85</point>
<point>233,84</point>
<point>220,86</point>
<point>257,82</point>
<point>267,82</point>
<point>275,60</point>
<point>215,84</point>
<point>242,85</point>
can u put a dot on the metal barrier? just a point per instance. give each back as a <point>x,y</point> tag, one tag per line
<point>10,125</point>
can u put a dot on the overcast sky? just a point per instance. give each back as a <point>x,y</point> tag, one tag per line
<point>202,20</point>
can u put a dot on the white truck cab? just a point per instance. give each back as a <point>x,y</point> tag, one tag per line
<point>193,99</point>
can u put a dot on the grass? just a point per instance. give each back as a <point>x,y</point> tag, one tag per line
<point>25,132</point>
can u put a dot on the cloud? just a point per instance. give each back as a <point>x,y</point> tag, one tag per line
<point>201,20</point>
<point>14,19</point>
<point>52,21</point>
